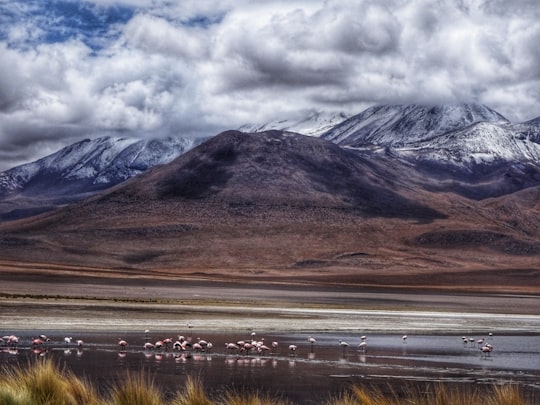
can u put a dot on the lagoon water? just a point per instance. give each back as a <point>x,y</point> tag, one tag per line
<point>308,376</point>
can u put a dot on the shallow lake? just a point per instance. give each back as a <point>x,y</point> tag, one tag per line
<point>309,375</point>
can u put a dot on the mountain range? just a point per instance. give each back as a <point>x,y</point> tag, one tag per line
<point>469,147</point>
<point>81,169</point>
<point>401,195</point>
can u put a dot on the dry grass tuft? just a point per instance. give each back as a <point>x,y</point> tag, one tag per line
<point>44,382</point>
<point>256,398</point>
<point>135,389</point>
<point>193,394</point>
<point>438,395</point>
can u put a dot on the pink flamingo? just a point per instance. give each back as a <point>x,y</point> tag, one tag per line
<point>292,349</point>
<point>312,341</point>
<point>13,341</point>
<point>148,346</point>
<point>487,349</point>
<point>37,342</point>
<point>122,343</point>
<point>197,347</point>
<point>344,346</point>
<point>262,349</point>
<point>168,343</point>
<point>232,347</point>
<point>363,346</point>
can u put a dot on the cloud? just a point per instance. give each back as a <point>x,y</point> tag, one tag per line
<point>147,68</point>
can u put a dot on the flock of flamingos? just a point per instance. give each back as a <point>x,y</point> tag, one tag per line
<point>253,345</point>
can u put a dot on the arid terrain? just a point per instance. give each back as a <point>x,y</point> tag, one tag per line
<point>291,218</point>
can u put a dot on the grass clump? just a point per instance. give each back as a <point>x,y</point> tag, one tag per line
<point>255,398</point>
<point>44,383</point>
<point>438,395</point>
<point>193,394</point>
<point>136,389</point>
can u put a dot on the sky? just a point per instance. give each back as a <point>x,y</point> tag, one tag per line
<point>71,70</point>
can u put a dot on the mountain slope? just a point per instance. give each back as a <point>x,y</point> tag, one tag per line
<point>280,206</point>
<point>81,169</point>
<point>278,168</point>
<point>467,149</point>
<point>314,124</point>
<point>400,125</point>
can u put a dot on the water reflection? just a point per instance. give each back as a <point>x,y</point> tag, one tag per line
<point>310,370</point>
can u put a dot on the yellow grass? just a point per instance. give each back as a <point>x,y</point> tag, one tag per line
<point>45,383</point>
<point>135,389</point>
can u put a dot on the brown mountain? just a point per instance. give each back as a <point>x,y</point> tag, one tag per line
<point>279,206</point>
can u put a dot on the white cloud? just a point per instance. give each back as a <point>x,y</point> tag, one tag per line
<point>194,68</point>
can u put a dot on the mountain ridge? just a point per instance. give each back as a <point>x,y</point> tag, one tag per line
<point>231,208</point>
<point>81,169</point>
<point>468,145</point>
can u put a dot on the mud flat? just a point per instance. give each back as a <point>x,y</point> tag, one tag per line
<point>132,305</point>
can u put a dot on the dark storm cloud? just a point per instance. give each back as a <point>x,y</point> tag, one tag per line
<point>144,68</point>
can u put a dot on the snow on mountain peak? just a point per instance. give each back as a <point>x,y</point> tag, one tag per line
<point>92,164</point>
<point>313,124</point>
<point>406,124</point>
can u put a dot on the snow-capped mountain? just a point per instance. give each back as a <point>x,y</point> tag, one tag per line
<point>400,125</point>
<point>468,145</point>
<point>91,165</point>
<point>314,124</point>
<point>80,169</point>
<point>456,135</point>
<point>483,143</point>
<point>468,149</point>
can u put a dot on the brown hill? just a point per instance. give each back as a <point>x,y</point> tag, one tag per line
<point>283,207</point>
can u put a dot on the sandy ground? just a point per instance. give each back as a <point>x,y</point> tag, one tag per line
<point>132,305</point>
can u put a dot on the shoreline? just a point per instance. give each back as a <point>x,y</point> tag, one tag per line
<point>212,307</point>
<point>46,301</point>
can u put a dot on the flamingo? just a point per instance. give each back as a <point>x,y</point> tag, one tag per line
<point>13,340</point>
<point>146,335</point>
<point>363,346</point>
<point>202,342</point>
<point>67,340</point>
<point>80,343</point>
<point>168,343</point>
<point>262,349</point>
<point>487,349</point>
<point>122,343</point>
<point>148,346</point>
<point>312,341</point>
<point>178,345</point>
<point>232,347</point>
<point>344,346</point>
<point>197,347</point>
<point>274,345</point>
<point>37,342</point>
<point>404,338</point>
<point>292,349</point>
